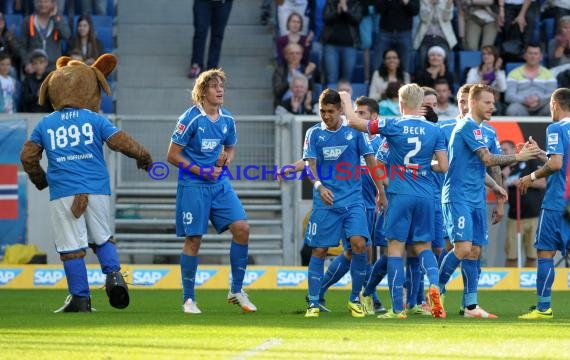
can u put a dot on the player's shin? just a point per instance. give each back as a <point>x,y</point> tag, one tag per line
<point>238,262</point>
<point>396,282</point>
<point>544,281</point>
<point>336,270</point>
<point>358,274</point>
<point>315,273</point>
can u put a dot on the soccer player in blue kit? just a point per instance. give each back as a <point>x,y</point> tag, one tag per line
<point>553,231</point>
<point>80,203</point>
<point>463,194</point>
<point>337,207</point>
<point>203,141</point>
<point>413,141</point>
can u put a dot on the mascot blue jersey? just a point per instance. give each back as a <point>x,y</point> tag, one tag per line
<point>73,142</point>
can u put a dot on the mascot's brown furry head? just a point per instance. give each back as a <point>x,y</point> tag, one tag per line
<point>77,85</point>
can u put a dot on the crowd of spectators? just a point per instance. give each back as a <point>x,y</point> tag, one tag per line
<point>33,35</point>
<point>520,47</point>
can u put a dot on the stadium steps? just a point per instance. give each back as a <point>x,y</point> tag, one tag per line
<point>154,44</point>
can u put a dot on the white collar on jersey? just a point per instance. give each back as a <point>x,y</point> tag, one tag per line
<point>203,112</point>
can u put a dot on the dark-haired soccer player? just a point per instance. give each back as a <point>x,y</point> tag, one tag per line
<point>553,232</point>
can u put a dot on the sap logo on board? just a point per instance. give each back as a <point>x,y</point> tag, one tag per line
<point>527,279</point>
<point>7,275</point>
<point>48,277</point>
<point>96,277</point>
<point>291,277</point>
<point>251,276</point>
<point>344,281</point>
<point>204,275</point>
<point>489,279</point>
<point>148,277</point>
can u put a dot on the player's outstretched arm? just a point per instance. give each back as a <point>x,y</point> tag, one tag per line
<point>30,157</point>
<point>295,167</point>
<point>528,152</point>
<point>127,145</point>
<point>553,165</point>
<point>378,175</point>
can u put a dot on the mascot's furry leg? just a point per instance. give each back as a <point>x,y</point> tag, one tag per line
<point>76,274</point>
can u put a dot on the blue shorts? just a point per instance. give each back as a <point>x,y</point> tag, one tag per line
<point>326,226</point>
<point>465,223</point>
<point>379,237</point>
<point>552,232</point>
<point>370,218</point>
<point>438,241</point>
<point>195,205</point>
<point>409,218</point>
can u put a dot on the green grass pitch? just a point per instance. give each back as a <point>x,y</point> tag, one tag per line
<point>154,327</point>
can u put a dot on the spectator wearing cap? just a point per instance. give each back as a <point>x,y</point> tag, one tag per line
<point>435,68</point>
<point>32,83</point>
<point>435,27</point>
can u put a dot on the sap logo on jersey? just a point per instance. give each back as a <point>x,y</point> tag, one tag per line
<point>344,281</point>
<point>290,277</point>
<point>527,279</point>
<point>48,277</point>
<point>7,275</point>
<point>209,145</point>
<point>489,279</point>
<point>96,277</point>
<point>204,275</point>
<point>333,152</point>
<point>148,277</point>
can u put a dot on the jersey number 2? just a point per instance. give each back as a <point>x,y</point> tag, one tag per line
<point>418,145</point>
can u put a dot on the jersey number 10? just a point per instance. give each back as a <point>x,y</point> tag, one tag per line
<point>70,136</point>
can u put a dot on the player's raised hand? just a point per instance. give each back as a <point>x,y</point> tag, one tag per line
<point>528,151</point>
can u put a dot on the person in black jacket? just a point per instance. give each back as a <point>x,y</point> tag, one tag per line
<point>32,83</point>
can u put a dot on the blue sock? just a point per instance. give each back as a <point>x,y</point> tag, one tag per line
<point>429,266</point>
<point>188,267</point>
<point>379,270</point>
<point>76,274</point>
<point>108,258</point>
<point>336,270</point>
<point>358,274</point>
<point>396,282</point>
<point>375,297</point>
<point>544,279</point>
<point>470,274</point>
<point>421,298</point>
<point>413,275</point>
<point>238,262</point>
<point>448,266</point>
<point>315,273</point>
<point>440,257</point>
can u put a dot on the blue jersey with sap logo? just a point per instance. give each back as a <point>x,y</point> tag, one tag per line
<point>203,140</point>
<point>491,139</point>
<point>73,141</point>
<point>558,143</point>
<point>368,186</point>
<point>465,179</point>
<point>336,153</point>
<point>412,141</point>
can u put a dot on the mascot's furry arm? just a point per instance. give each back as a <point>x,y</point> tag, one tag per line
<point>30,157</point>
<point>124,143</point>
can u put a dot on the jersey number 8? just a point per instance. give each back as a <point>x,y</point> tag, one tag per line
<point>70,136</point>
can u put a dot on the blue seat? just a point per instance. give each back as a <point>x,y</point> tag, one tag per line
<point>358,74</point>
<point>107,104</point>
<point>451,62</point>
<point>14,23</point>
<point>467,60</point>
<point>548,29</point>
<point>512,65</point>
<point>105,34</point>
<point>317,90</point>
<point>359,89</point>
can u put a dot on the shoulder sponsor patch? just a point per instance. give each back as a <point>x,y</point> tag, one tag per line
<point>478,134</point>
<point>180,128</point>
<point>553,139</point>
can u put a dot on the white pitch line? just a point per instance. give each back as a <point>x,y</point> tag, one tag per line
<point>264,346</point>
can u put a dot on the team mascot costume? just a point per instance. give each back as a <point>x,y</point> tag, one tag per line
<point>72,137</point>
